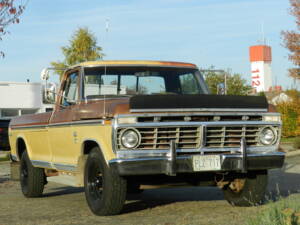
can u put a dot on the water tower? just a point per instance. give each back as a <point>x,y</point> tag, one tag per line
<point>260,58</point>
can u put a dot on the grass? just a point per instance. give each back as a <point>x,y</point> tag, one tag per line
<point>297,143</point>
<point>288,139</point>
<point>5,158</point>
<point>294,141</point>
<point>286,211</point>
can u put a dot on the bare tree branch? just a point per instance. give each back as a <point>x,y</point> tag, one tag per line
<point>291,40</point>
<point>10,11</point>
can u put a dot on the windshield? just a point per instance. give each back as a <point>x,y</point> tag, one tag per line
<point>124,81</point>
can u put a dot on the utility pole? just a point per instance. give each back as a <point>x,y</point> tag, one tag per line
<point>228,72</point>
<point>225,83</point>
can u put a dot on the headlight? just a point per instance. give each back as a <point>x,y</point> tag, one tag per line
<point>130,138</point>
<point>272,118</point>
<point>267,136</point>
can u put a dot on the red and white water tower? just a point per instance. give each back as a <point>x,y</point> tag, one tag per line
<point>261,74</point>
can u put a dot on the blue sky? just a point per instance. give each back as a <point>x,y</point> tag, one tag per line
<point>204,32</point>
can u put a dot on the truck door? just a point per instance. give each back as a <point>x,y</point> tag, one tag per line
<point>61,136</point>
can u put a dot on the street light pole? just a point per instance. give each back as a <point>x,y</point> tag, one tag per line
<point>225,83</point>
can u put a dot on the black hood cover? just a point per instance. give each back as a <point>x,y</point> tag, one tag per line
<point>160,102</point>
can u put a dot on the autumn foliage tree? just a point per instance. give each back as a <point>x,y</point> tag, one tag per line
<point>10,11</point>
<point>292,40</point>
<point>82,47</point>
<point>290,114</point>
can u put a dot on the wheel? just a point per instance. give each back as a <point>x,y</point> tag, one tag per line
<point>133,187</point>
<point>32,179</point>
<point>105,190</point>
<point>248,191</point>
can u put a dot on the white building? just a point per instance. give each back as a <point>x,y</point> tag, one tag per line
<point>21,98</point>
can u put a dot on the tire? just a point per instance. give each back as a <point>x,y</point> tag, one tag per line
<point>253,191</point>
<point>105,190</point>
<point>32,179</point>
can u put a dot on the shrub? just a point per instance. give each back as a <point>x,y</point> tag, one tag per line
<point>290,115</point>
<point>297,143</point>
<point>284,212</point>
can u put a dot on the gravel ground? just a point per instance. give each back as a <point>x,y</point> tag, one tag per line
<point>166,206</point>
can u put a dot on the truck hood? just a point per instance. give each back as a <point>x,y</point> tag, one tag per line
<point>163,103</point>
<point>170,103</point>
<point>152,103</point>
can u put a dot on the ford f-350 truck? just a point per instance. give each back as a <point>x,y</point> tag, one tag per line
<point>119,124</point>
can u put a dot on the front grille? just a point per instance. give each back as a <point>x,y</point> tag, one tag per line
<point>198,118</point>
<point>186,137</point>
<point>230,136</point>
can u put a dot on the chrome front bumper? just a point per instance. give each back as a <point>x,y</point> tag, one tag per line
<point>184,164</point>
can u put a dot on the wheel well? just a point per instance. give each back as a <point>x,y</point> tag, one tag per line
<point>88,146</point>
<point>21,147</point>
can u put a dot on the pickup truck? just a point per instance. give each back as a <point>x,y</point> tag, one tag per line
<point>117,125</point>
<point>4,143</point>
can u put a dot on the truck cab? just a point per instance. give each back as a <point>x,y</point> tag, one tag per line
<point>119,124</point>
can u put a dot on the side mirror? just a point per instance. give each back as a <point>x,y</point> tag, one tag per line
<point>51,84</point>
<point>49,87</point>
<point>50,92</point>
<point>45,74</point>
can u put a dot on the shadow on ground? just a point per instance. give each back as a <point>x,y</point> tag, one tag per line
<point>158,197</point>
<point>152,198</point>
<point>282,184</point>
<point>3,179</point>
<point>65,190</point>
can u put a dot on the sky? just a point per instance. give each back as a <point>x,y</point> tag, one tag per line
<point>203,32</point>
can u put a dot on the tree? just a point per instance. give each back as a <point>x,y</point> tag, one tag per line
<point>9,13</point>
<point>290,114</point>
<point>291,40</point>
<point>236,85</point>
<point>82,47</point>
<point>188,84</point>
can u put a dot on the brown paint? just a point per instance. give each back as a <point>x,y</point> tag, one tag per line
<point>30,120</point>
<point>95,109</point>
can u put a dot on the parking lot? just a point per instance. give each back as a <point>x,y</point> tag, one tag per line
<point>166,206</point>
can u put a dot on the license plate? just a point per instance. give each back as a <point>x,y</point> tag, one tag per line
<point>206,162</point>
